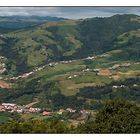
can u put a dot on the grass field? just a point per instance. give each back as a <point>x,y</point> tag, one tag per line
<point>71,76</point>
<point>3,119</point>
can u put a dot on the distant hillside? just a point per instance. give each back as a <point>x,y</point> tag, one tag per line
<point>61,39</point>
<point>69,69</point>
<point>99,34</point>
<point>10,23</point>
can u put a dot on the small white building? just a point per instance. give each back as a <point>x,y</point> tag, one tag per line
<point>69,77</point>
<point>8,104</point>
<point>70,110</point>
<point>75,75</point>
<point>135,85</point>
<point>115,86</point>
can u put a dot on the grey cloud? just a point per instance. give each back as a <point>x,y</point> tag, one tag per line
<point>68,12</point>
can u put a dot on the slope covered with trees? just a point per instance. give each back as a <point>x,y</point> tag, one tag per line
<point>70,39</point>
<point>74,69</point>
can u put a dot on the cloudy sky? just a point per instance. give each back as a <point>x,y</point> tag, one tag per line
<point>68,12</point>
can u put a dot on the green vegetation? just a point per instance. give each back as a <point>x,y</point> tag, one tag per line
<point>37,126</point>
<point>127,89</point>
<point>68,39</point>
<point>116,116</point>
<point>79,64</point>
<point>92,78</point>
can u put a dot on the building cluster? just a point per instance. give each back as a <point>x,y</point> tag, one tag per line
<point>68,61</point>
<point>10,107</point>
<point>119,65</point>
<point>25,75</point>
<point>73,114</point>
<point>53,64</point>
<point>61,111</point>
<point>70,110</point>
<point>123,86</point>
<point>2,64</point>
<point>137,63</point>
<point>72,76</point>
<point>86,70</point>
<point>2,68</point>
<point>90,58</point>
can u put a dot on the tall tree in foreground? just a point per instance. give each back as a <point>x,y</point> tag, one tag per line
<point>117,116</point>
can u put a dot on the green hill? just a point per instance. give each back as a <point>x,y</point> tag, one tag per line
<point>113,41</point>
<point>58,65</point>
<point>11,23</point>
<point>70,39</point>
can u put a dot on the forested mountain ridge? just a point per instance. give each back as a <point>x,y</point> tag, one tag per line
<point>112,41</point>
<point>11,23</point>
<point>63,75</point>
<point>69,39</point>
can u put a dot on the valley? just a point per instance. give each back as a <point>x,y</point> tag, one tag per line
<point>64,70</point>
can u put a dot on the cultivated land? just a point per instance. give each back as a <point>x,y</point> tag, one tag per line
<point>67,69</point>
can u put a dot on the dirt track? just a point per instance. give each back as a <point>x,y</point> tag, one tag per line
<point>4,85</point>
<point>105,72</point>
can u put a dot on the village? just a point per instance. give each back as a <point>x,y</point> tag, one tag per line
<point>25,109</point>
<point>98,71</point>
<point>82,114</point>
<point>11,107</point>
<point>52,64</point>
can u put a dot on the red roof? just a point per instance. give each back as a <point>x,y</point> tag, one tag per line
<point>45,113</point>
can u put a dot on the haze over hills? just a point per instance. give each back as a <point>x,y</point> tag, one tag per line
<point>60,64</point>
<point>11,23</point>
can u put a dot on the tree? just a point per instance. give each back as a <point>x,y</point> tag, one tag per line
<point>35,126</point>
<point>117,116</point>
